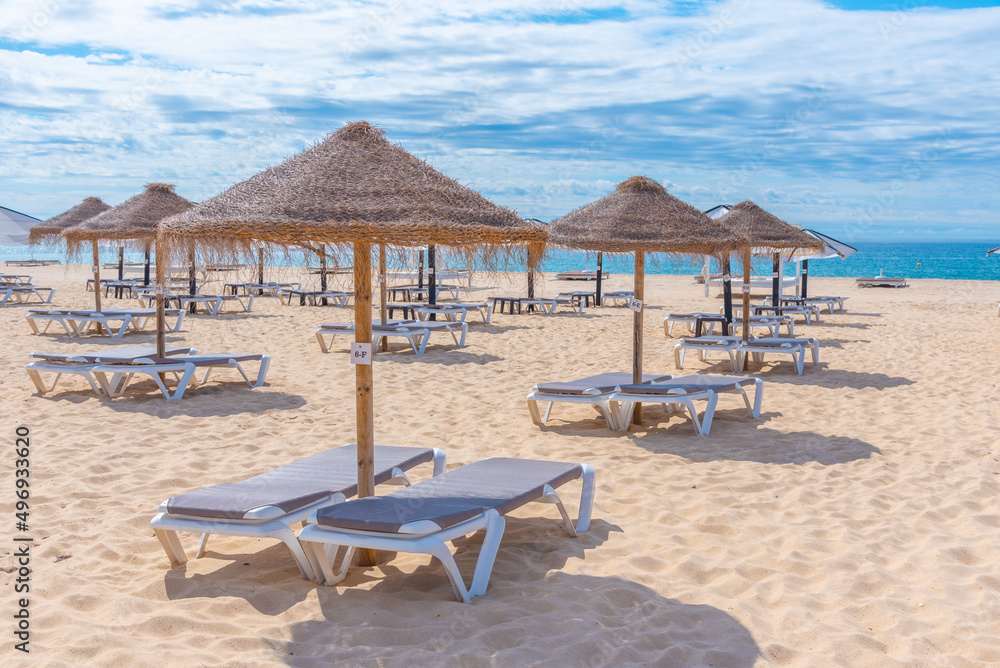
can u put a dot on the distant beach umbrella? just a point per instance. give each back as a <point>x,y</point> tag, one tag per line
<point>993,250</point>
<point>831,248</point>
<point>52,229</point>
<point>132,223</point>
<point>764,234</point>
<point>641,217</point>
<point>354,188</point>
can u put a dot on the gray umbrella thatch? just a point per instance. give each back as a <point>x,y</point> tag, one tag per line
<point>764,233</point>
<point>357,188</point>
<point>640,217</point>
<point>52,228</point>
<point>132,222</point>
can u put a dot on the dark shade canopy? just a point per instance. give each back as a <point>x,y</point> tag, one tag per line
<point>134,220</point>
<point>353,186</point>
<point>640,215</point>
<point>993,250</point>
<point>52,228</point>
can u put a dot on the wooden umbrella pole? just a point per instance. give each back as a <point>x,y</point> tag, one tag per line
<point>363,377</point>
<point>322,272</point>
<point>727,294</point>
<point>776,281</point>
<point>600,272</point>
<point>746,302</point>
<point>640,269</point>
<point>161,324</point>
<point>260,269</point>
<point>383,308</point>
<point>97,282</point>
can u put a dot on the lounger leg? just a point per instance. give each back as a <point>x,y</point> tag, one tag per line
<point>815,351</point>
<point>757,395</point>
<point>422,342</point>
<point>36,378</point>
<point>678,357</point>
<point>444,555</point>
<point>533,411</point>
<point>488,552</point>
<point>800,359</point>
<point>706,420</point>
<point>295,547</point>
<point>171,545</point>
<point>202,544</point>
<point>322,343</point>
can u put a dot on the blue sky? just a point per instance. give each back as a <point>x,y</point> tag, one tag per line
<point>866,120</point>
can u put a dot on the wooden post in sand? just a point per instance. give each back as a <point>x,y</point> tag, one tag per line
<point>322,273</point>
<point>159,289</point>
<point>363,380</point>
<point>640,269</point>
<point>97,282</point>
<point>776,281</point>
<point>600,275</point>
<point>260,267</point>
<point>727,294</point>
<point>383,308</point>
<point>746,302</point>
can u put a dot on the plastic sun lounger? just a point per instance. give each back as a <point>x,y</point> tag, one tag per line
<point>183,367</point>
<point>767,322</point>
<point>454,310</point>
<point>704,345</point>
<point>617,296</point>
<point>77,323</point>
<point>757,348</point>
<point>807,311</point>
<point>269,504</point>
<point>421,519</point>
<point>82,364</point>
<point>683,392</point>
<point>21,294</point>
<point>580,275</point>
<point>881,282</point>
<point>689,319</point>
<point>416,332</point>
<point>593,390</point>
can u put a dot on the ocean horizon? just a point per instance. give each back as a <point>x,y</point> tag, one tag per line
<point>964,260</point>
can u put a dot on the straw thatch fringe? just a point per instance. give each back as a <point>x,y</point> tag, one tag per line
<point>50,229</point>
<point>354,185</point>
<point>133,222</point>
<point>640,215</point>
<point>765,232</point>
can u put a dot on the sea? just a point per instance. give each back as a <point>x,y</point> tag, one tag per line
<point>955,260</point>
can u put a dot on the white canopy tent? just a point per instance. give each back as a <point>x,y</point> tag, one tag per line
<point>14,227</point>
<point>994,250</point>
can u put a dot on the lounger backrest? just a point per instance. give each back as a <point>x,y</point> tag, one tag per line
<point>295,485</point>
<point>604,382</point>
<point>499,483</point>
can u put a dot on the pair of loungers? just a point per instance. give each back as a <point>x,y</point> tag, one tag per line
<point>421,518</point>
<point>416,332</point>
<point>79,322</point>
<point>615,396</point>
<point>109,372</point>
<point>737,349</point>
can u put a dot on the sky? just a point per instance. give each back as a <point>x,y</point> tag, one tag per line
<point>868,121</point>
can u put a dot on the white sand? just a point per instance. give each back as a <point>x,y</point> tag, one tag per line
<point>857,523</point>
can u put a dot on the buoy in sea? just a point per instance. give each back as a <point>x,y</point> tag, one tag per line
<point>918,264</point>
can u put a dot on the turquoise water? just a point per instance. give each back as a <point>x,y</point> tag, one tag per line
<point>964,260</point>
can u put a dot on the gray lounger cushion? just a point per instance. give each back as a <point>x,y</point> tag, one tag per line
<point>295,485</point>
<point>451,498</point>
<point>605,382</point>
<point>692,384</point>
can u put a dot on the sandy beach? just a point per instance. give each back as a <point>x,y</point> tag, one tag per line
<point>856,523</point>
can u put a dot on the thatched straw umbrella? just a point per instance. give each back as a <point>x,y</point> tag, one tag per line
<point>764,233</point>
<point>641,217</point>
<point>353,188</point>
<point>132,223</point>
<point>52,229</point>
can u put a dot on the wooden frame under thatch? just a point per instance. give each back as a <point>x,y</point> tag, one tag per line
<point>52,228</point>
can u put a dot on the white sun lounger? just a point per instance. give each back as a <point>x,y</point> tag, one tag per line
<point>593,390</point>
<point>416,332</point>
<point>683,392</point>
<point>616,296</point>
<point>267,505</point>
<point>22,294</point>
<point>807,311</point>
<point>771,323</point>
<point>454,311</point>
<point>704,345</point>
<point>423,518</point>
<point>78,323</point>
<point>759,347</point>
<point>182,367</point>
<point>689,319</point>
<point>82,364</point>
